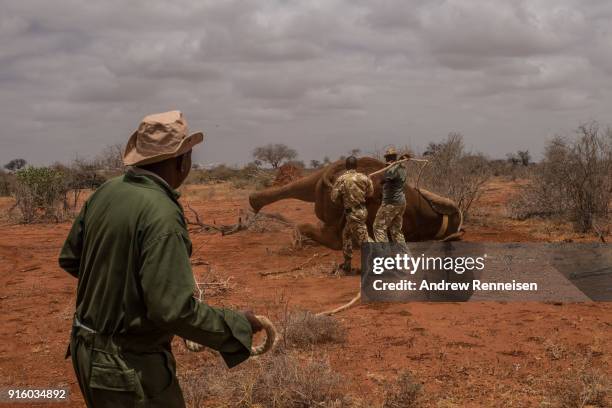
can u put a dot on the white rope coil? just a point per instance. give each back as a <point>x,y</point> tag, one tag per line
<point>272,338</point>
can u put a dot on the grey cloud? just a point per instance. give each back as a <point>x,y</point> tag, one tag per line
<point>323,76</point>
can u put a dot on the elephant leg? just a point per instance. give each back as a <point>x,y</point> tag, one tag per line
<point>326,235</point>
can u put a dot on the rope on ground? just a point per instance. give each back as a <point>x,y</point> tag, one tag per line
<point>341,308</point>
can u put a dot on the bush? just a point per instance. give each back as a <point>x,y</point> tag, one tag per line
<point>404,393</point>
<point>574,180</point>
<point>81,175</point>
<point>454,173</point>
<point>303,328</point>
<point>278,381</point>
<point>248,176</point>
<point>7,184</point>
<point>39,192</point>
<point>581,387</point>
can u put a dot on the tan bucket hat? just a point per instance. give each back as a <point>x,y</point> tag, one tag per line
<point>391,151</point>
<point>159,137</point>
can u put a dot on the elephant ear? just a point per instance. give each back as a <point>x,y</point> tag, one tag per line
<point>365,165</point>
<point>332,172</point>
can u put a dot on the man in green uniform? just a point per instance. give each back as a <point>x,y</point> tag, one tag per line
<point>129,248</point>
<point>390,215</point>
<point>350,190</point>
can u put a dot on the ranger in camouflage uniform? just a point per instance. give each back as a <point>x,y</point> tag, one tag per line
<point>350,190</point>
<point>390,215</point>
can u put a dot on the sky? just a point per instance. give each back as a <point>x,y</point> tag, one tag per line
<point>323,77</point>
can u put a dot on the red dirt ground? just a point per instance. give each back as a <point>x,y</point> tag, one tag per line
<point>465,354</point>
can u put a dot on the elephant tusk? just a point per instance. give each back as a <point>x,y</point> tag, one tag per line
<point>443,227</point>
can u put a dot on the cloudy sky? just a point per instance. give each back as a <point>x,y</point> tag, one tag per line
<point>321,76</point>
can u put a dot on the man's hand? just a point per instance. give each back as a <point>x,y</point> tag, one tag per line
<point>255,324</point>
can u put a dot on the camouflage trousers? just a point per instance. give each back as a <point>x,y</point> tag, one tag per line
<point>356,230</point>
<point>389,218</point>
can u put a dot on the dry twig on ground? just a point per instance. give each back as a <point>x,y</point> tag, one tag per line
<point>293,269</point>
<point>212,283</point>
<point>247,220</point>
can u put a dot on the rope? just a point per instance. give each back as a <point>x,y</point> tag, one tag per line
<point>272,338</point>
<point>341,308</point>
<point>397,162</point>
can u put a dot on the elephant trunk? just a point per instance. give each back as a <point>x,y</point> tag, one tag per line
<point>301,189</point>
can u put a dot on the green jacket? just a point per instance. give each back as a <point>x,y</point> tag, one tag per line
<point>393,187</point>
<point>129,248</point>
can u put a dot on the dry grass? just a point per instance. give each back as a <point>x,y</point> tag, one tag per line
<point>554,349</point>
<point>275,381</point>
<point>281,379</point>
<point>302,329</point>
<point>405,392</point>
<point>582,387</point>
<point>211,282</point>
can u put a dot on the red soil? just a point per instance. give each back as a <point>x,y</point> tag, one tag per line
<point>465,354</point>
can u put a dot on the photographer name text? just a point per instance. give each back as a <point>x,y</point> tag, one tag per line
<point>475,285</point>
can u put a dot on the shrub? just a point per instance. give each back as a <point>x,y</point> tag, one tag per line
<point>39,192</point>
<point>404,393</point>
<point>7,184</point>
<point>454,173</point>
<point>574,180</point>
<point>278,381</point>
<point>581,387</point>
<point>303,328</point>
<point>82,175</point>
<point>248,176</point>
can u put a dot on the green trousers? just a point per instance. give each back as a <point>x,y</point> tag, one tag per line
<point>110,376</point>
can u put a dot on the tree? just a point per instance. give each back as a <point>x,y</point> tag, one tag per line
<point>574,180</point>
<point>524,157</point>
<point>15,164</point>
<point>315,164</point>
<point>455,173</point>
<point>111,158</point>
<point>513,159</point>
<point>432,149</point>
<point>274,154</point>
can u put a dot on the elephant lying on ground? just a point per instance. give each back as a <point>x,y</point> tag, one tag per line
<point>427,216</point>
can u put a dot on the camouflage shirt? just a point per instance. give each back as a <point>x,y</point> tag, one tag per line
<point>393,189</point>
<point>351,189</point>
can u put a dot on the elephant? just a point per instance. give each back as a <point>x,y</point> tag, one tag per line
<point>427,216</point>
